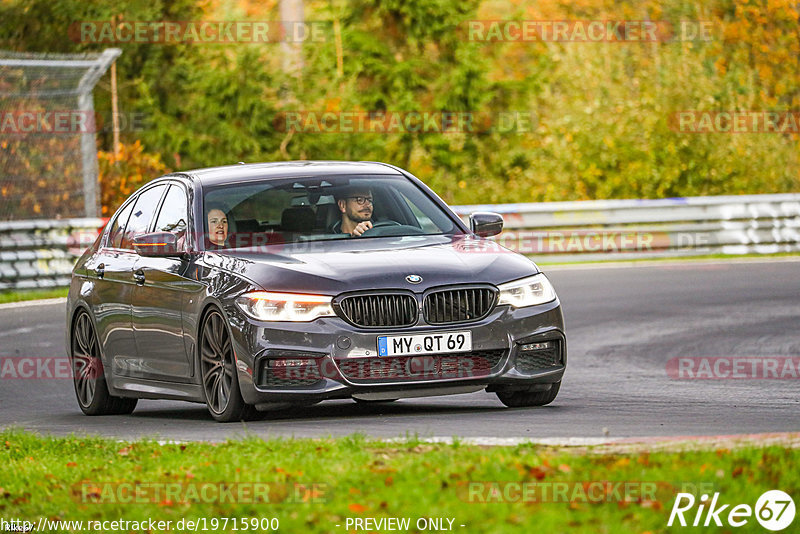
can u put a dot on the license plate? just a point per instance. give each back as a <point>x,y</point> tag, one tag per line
<point>440,342</point>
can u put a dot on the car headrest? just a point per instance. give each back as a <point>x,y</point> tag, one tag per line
<point>327,215</point>
<point>298,219</point>
<point>248,225</point>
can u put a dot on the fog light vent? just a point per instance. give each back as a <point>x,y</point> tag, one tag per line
<point>547,345</point>
<point>296,362</point>
<point>289,369</point>
<point>534,357</point>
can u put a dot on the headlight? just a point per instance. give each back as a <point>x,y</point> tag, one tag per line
<point>527,292</point>
<point>268,306</point>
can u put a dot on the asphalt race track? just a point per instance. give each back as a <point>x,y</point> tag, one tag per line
<point>623,325</point>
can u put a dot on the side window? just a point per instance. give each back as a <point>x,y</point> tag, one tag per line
<point>173,215</point>
<point>142,214</point>
<point>117,229</point>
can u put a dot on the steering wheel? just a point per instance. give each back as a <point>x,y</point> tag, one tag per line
<point>383,224</point>
<point>391,228</point>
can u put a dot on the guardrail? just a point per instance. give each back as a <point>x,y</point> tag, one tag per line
<point>40,254</point>
<point>599,230</point>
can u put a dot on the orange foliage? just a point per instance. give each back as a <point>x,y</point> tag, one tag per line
<point>119,177</point>
<point>765,36</point>
<point>41,176</point>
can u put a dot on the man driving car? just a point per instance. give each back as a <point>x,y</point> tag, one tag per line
<point>355,205</point>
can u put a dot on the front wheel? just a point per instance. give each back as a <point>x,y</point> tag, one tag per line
<point>87,372</point>
<point>218,368</point>
<point>518,399</point>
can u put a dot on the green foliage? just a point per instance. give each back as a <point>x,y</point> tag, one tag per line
<point>602,110</point>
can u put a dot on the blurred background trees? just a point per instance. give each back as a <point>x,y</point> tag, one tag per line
<point>602,109</point>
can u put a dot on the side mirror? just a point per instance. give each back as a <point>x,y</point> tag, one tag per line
<point>485,223</point>
<point>156,244</point>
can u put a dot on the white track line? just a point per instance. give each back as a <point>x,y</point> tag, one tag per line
<point>511,442</point>
<point>667,443</point>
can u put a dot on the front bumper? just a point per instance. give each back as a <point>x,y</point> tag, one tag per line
<point>330,358</point>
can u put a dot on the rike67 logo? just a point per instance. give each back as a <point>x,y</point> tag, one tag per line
<point>774,510</point>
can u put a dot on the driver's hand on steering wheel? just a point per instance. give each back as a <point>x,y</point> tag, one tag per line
<point>361,228</point>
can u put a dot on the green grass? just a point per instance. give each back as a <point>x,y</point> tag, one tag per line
<point>357,478</point>
<point>32,294</point>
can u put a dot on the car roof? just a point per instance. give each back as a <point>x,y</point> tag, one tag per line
<point>287,169</point>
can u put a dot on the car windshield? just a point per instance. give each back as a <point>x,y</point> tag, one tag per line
<point>318,209</point>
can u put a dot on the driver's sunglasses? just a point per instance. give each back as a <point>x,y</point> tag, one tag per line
<point>362,200</point>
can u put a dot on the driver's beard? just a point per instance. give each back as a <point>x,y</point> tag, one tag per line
<point>357,217</point>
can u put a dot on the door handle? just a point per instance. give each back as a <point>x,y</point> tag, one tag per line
<point>139,277</point>
<point>100,270</point>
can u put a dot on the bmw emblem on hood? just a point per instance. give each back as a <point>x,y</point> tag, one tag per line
<point>413,279</point>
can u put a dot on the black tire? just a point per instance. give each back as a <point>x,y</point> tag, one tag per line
<point>218,372</point>
<point>519,399</point>
<point>89,379</point>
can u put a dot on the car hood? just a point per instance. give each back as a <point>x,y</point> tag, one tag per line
<point>332,267</point>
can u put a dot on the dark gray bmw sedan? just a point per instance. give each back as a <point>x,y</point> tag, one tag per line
<point>255,287</point>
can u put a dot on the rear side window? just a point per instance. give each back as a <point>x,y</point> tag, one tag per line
<point>142,215</point>
<point>117,229</point>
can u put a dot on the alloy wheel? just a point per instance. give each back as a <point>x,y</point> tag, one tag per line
<point>216,362</point>
<point>86,363</point>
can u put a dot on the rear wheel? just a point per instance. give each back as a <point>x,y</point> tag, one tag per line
<point>518,399</point>
<point>87,371</point>
<point>218,368</point>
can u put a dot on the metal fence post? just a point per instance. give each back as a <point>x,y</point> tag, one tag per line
<point>91,195</point>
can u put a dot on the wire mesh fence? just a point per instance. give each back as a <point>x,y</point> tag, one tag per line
<point>48,152</point>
